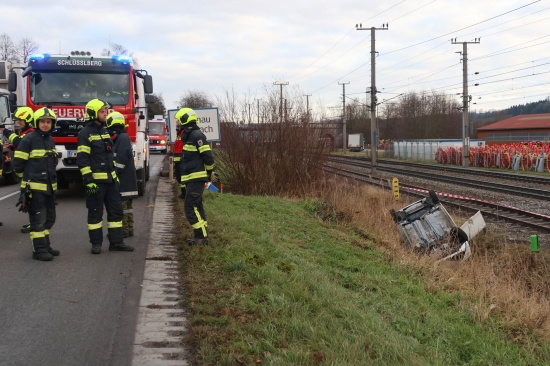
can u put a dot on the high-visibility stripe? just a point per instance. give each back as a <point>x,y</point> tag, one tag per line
<point>94,138</point>
<point>204,148</point>
<point>21,155</point>
<point>201,224</point>
<point>194,175</point>
<point>46,232</point>
<point>209,167</point>
<point>177,158</point>
<point>37,234</point>
<point>97,226</point>
<point>84,149</point>
<point>114,224</point>
<point>85,170</point>
<point>128,211</point>
<point>120,165</point>
<point>131,193</point>
<point>101,175</point>
<point>190,148</point>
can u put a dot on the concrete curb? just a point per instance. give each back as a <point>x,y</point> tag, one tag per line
<point>161,320</point>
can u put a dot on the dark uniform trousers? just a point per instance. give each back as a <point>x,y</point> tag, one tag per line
<point>41,218</point>
<point>109,195</point>
<point>194,210</point>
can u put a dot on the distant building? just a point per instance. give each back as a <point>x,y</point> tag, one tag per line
<point>522,128</point>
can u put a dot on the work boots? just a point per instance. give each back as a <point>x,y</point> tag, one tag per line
<point>52,251</point>
<point>197,241</point>
<point>120,247</point>
<point>96,249</point>
<point>42,256</point>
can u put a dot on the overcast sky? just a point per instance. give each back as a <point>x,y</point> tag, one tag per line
<point>246,46</point>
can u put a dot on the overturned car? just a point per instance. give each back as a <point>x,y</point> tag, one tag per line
<point>427,227</point>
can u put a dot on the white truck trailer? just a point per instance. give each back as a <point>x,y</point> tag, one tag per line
<point>356,142</point>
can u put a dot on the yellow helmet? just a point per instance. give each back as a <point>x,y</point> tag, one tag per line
<point>24,113</point>
<point>44,113</point>
<point>115,118</point>
<point>93,107</point>
<point>185,116</point>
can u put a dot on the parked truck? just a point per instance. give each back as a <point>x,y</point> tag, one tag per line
<point>356,142</point>
<point>66,83</point>
<point>158,134</point>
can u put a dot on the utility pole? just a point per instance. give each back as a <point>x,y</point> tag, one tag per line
<point>344,136</point>
<point>249,118</point>
<point>307,106</point>
<point>373,122</point>
<point>465,102</point>
<point>281,103</point>
<point>258,109</point>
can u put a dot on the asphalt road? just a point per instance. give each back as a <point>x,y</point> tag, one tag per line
<point>80,308</point>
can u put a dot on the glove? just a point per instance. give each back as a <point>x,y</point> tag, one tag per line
<point>209,175</point>
<point>24,200</point>
<point>215,177</point>
<point>91,189</point>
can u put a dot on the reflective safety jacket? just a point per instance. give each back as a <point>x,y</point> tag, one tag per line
<point>35,161</point>
<point>14,138</point>
<point>125,167</point>
<point>197,156</point>
<point>94,155</point>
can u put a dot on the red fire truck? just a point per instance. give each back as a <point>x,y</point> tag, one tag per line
<point>65,83</point>
<point>158,134</point>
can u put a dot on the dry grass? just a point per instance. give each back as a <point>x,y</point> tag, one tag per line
<point>500,280</point>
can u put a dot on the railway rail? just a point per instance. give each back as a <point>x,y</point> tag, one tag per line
<point>497,212</point>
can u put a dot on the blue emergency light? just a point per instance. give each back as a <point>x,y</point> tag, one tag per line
<point>39,57</point>
<point>123,59</point>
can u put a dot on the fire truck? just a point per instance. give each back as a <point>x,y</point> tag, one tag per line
<point>158,134</point>
<point>66,83</point>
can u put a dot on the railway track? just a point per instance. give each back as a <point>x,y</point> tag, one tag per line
<point>470,177</point>
<point>496,212</point>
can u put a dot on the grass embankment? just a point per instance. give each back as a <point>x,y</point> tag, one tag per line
<point>294,283</point>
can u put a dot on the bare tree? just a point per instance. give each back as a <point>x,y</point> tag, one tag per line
<point>25,48</point>
<point>194,99</point>
<point>115,49</point>
<point>157,107</point>
<point>227,106</point>
<point>7,48</point>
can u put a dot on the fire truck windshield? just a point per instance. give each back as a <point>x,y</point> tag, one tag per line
<point>58,88</point>
<point>156,128</point>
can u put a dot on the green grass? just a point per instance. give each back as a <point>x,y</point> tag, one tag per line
<point>279,286</point>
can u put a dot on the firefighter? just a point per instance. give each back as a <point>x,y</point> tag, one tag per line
<point>178,155</point>
<point>24,116</point>
<point>35,161</point>
<point>95,160</point>
<point>196,169</point>
<point>125,169</point>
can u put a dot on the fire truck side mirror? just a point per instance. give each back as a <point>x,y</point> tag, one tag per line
<point>13,101</point>
<point>12,81</point>
<point>148,84</point>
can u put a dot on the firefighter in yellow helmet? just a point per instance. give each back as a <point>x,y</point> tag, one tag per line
<point>25,117</point>
<point>96,162</point>
<point>125,169</point>
<point>35,162</point>
<point>196,169</point>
